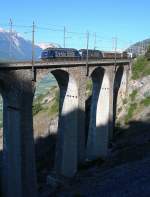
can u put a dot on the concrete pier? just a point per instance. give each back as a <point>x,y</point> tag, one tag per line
<point>19,175</point>
<point>66,151</point>
<point>97,145</point>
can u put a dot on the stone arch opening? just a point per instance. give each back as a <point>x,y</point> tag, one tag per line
<point>116,92</point>
<point>97,142</point>
<point>45,123</point>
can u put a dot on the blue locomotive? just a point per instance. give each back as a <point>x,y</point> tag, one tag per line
<point>60,53</point>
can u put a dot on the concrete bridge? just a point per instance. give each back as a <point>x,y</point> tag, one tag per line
<point>17,87</point>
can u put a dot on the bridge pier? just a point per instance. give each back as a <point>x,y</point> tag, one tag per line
<point>19,175</point>
<point>66,148</point>
<point>81,149</point>
<point>98,138</point>
<point>123,90</point>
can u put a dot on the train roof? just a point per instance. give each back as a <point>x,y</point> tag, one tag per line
<point>111,51</point>
<point>49,48</point>
<point>89,50</point>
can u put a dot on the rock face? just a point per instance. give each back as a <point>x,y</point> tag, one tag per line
<point>138,91</point>
<point>44,125</point>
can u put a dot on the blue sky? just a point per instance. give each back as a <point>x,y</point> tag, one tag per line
<point>126,20</point>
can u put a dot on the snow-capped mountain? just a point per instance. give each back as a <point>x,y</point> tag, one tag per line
<point>15,47</point>
<point>48,45</point>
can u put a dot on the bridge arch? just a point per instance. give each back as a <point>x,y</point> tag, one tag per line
<point>66,143</point>
<point>97,143</point>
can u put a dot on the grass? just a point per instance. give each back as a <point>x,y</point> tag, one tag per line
<point>89,86</point>
<point>146,101</point>
<point>133,95</point>
<point>51,108</point>
<point>37,107</point>
<point>131,110</point>
<point>54,108</point>
<point>140,68</point>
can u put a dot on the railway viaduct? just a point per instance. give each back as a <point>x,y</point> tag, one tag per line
<point>17,87</point>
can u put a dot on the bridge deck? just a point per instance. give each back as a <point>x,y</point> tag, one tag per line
<point>54,64</point>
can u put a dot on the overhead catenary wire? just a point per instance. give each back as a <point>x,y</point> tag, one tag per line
<point>96,37</point>
<point>10,41</point>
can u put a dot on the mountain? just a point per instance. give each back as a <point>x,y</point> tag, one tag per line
<point>139,48</point>
<point>48,45</point>
<point>13,46</point>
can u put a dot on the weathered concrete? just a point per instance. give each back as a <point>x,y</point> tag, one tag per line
<point>97,145</point>
<point>112,71</point>
<point>66,152</point>
<point>19,177</point>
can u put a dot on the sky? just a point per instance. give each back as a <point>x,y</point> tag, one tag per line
<point>128,21</point>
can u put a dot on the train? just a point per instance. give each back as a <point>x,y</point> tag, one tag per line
<point>74,54</point>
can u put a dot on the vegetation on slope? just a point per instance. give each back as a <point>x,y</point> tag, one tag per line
<point>141,68</point>
<point>136,106</point>
<point>50,106</point>
<point>137,103</point>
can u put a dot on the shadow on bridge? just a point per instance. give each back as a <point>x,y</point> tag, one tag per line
<point>137,133</point>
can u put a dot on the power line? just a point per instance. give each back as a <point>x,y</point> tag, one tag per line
<point>95,41</point>
<point>33,48</point>
<point>10,42</point>
<point>33,31</point>
<point>64,36</point>
<point>87,53</point>
<point>96,36</point>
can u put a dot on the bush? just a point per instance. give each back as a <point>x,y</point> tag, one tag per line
<point>140,68</point>
<point>55,105</point>
<point>130,113</point>
<point>125,101</point>
<point>146,102</point>
<point>36,108</point>
<point>133,95</point>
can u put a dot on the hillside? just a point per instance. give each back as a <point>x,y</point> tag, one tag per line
<point>139,48</point>
<point>137,106</point>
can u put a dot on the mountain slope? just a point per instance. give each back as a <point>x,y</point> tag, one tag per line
<point>139,48</point>
<point>13,46</point>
